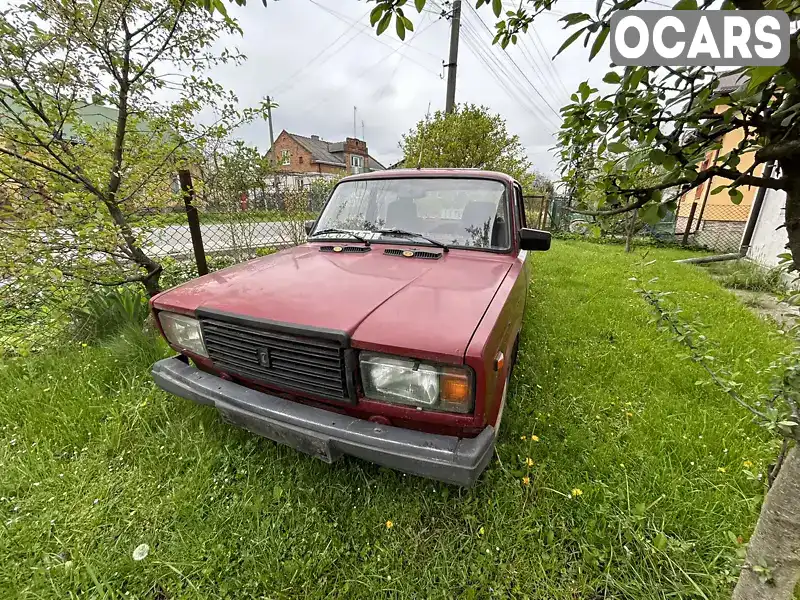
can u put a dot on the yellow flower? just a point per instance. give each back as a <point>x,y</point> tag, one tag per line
<point>389,524</point>
<point>721,469</point>
<point>628,414</point>
<point>534,438</point>
<point>522,437</point>
<point>747,464</point>
<point>529,461</point>
<point>577,492</point>
<point>526,480</point>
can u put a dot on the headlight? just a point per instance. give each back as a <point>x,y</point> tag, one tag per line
<point>417,383</point>
<point>183,331</point>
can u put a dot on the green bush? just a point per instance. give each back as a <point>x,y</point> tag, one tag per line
<point>106,311</point>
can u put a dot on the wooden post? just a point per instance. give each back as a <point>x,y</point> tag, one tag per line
<point>687,230</point>
<point>187,188</point>
<point>545,206</point>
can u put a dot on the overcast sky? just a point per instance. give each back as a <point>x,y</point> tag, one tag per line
<point>317,65</point>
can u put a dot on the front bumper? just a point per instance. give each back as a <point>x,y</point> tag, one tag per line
<point>328,435</point>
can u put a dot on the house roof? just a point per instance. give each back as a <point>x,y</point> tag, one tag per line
<point>319,148</point>
<point>730,81</point>
<point>374,165</point>
<point>331,153</point>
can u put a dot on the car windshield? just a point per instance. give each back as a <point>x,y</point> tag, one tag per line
<point>470,213</point>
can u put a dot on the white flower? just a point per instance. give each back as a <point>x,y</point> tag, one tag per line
<point>141,552</point>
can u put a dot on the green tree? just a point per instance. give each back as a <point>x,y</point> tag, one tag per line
<point>85,150</point>
<point>678,117</point>
<point>469,137</point>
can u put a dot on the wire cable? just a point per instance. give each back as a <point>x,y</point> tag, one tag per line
<point>293,77</point>
<point>517,67</point>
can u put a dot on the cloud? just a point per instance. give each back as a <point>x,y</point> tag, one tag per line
<point>318,59</point>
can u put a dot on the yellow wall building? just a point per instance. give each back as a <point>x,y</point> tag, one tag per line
<point>715,220</point>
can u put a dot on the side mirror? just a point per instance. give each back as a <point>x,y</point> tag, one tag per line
<point>534,239</point>
<point>309,225</point>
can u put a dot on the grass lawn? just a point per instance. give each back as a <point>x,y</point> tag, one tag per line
<point>636,488</point>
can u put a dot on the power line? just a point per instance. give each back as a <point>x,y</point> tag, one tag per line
<point>366,30</point>
<point>543,54</point>
<point>521,72</point>
<point>502,75</point>
<point>293,78</point>
<point>379,62</point>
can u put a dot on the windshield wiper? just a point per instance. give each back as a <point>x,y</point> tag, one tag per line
<point>345,231</point>
<point>410,234</point>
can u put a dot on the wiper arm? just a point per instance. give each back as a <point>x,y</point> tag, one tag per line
<point>409,234</point>
<point>345,231</point>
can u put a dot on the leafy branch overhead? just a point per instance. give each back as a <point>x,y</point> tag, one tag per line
<point>674,118</point>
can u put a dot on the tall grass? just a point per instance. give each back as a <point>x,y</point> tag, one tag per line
<point>105,312</point>
<point>748,275</point>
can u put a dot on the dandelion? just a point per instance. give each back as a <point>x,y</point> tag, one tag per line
<point>529,461</point>
<point>526,480</point>
<point>747,464</point>
<point>534,438</point>
<point>141,552</point>
<point>577,492</point>
<point>721,469</point>
<point>522,437</point>
<point>389,524</point>
<point>628,414</point>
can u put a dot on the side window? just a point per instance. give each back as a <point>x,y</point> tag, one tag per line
<point>519,203</point>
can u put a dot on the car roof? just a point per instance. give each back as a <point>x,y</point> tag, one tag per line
<point>411,173</point>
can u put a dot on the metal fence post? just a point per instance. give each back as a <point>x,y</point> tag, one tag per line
<point>187,188</point>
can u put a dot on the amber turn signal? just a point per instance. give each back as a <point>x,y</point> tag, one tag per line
<point>454,389</point>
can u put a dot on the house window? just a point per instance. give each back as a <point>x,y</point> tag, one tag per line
<point>300,159</point>
<point>356,163</point>
<point>286,158</point>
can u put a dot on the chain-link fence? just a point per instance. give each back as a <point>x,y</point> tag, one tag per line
<point>718,227</point>
<point>45,309</point>
<point>558,215</point>
<point>713,226</point>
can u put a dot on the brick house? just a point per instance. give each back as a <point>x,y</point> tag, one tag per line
<point>294,153</point>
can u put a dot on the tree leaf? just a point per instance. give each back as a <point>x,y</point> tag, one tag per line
<point>419,4</point>
<point>599,41</point>
<point>575,18</point>
<point>736,196</point>
<point>400,27</point>
<point>409,25</point>
<point>375,15</point>
<point>649,214</point>
<point>497,7</point>
<point>569,41</point>
<point>384,23</point>
<point>759,75</point>
<point>685,5</point>
<point>618,147</point>
<point>612,77</point>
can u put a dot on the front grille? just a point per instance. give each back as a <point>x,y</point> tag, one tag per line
<point>277,358</point>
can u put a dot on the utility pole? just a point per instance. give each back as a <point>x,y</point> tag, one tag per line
<point>269,117</point>
<point>363,135</point>
<point>355,113</point>
<point>455,27</point>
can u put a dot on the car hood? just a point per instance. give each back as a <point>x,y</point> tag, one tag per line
<point>391,303</point>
